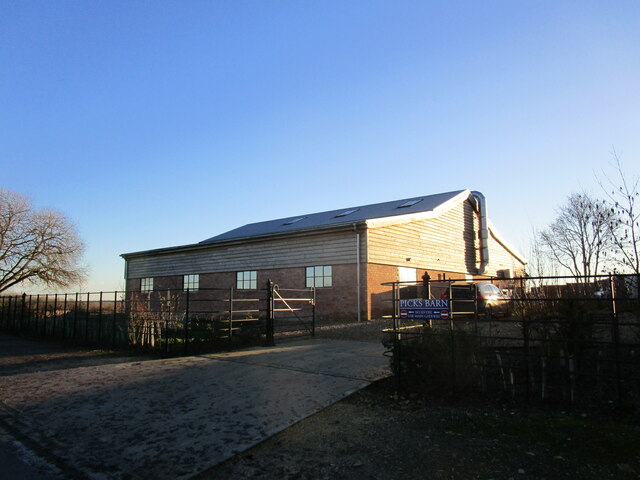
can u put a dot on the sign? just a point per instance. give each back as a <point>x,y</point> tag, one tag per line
<point>424,308</point>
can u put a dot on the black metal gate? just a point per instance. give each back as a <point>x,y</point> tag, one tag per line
<point>291,312</point>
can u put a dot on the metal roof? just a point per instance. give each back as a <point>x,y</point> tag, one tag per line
<point>343,216</point>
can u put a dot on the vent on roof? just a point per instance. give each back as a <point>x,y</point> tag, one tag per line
<point>294,220</point>
<point>346,212</point>
<point>408,203</point>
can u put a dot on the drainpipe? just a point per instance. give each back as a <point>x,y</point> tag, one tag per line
<point>481,203</point>
<point>357,271</point>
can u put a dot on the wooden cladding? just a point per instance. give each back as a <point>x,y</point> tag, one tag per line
<point>301,251</point>
<point>448,242</point>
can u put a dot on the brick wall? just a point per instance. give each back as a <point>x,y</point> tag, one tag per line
<point>337,302</point>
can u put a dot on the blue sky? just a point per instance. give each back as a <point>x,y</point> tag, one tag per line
<point>158,123</point>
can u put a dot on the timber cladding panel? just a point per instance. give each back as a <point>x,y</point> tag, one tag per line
<point>500,258</point>
<point>447,243</point>
<point>324,249</point>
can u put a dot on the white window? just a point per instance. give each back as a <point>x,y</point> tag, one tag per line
<point>247,280</point>
<point>146,284</point>
<point>191,282</point>
<point>406,274</point>
<point>319,276</point>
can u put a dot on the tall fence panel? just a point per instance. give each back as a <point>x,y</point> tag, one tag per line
<point>85,318</point>
<point>170,322</point>
<point>545,339</point>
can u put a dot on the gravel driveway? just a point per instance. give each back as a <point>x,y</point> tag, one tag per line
<point>173,418</point>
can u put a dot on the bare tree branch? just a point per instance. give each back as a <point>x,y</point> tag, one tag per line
<point>622,194</point>
<point>36,245</point>
<point>581,237</point>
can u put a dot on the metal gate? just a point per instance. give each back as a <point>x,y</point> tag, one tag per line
<point>291,312</point>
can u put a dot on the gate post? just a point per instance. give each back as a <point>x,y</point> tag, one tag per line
<point>313,314</point>
<point>270,314</point>
<point>186,324</point>
<point>24,301</point>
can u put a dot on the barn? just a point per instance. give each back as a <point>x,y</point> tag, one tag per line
<point>345,254</point>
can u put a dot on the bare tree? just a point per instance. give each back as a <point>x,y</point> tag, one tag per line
<point>622,194</point>
<point>540,264</point>
<point>39,246</point>
<point>580,239</point>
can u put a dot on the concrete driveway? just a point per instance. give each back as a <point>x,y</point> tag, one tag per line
<point>173,418</point>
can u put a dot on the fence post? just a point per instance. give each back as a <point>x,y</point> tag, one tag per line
<point>475,309</point>
<point>186,324</point>
<point>37,312</point>
<point>100,321</point>
<point>637,292</point>
<point>167,320</point>
<point>394,301</point>
<point>9,320</point>
<point>115,318</point>
<point>15,311</point>
<point>55,315</point>
<point>616,338</point>
<point>397,344</point>
<point>64,322</point>
<point>30,313</point>
<point>44,315</point>
<point>75,317</point>
<point>527,373</point>
<point>454,375</point>
<point>9,317</point>
<point>86,320</point>
<point>230,315</point>
<point>313,313</point>
<point>24,301</point>
<point>270,314</point>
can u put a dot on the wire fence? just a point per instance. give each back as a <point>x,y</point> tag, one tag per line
<point>170,322</point>
<point>548,339</point>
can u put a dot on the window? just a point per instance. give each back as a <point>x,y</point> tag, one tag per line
<point>406,274</point>
<point>347,212</point>
<point>192,282</point>
<point>247,280</point>
<point>294,220</point>
<point>146,284</point>
<point>319,276</point>
<point>409,203</point>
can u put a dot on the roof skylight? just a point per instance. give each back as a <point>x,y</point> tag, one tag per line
<point>346,212</point>
<point>294,220</point>
<point>409,203</point>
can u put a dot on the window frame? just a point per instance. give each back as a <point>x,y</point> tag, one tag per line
<point>318,279</point>
<point>242,280</point>
<point>146,284</point>
<point>191,282</point>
